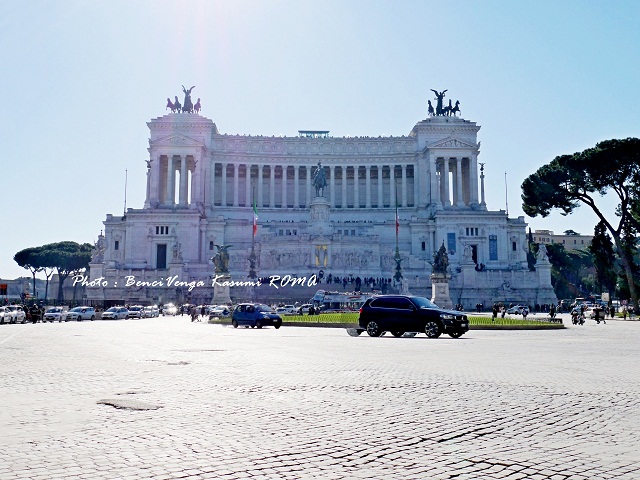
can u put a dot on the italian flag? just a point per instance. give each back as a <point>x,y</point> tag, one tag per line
<point>255,218</point>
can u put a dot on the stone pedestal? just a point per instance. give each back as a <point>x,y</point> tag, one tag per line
<point>440,290</point>
<point>221,292</point>
<point>319,224</point>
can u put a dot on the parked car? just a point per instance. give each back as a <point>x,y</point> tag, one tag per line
<point>255,315</point>
<point>136,311</point>
<point>54,313</point>
<point>115,313</point>
<point>5,315</point>
<point>12,314</point>
<point>304,308</point>
<point>169,309</point>
<point>399,314</point>
<point>517,310</point>
<point>219,311</point>
<point>290,309</point>
<point>151,311</point>
<point>80,313</point>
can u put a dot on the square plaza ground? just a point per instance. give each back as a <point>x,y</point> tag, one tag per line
<point>204,401</point>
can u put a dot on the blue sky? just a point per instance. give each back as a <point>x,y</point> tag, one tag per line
<point>81,79</point>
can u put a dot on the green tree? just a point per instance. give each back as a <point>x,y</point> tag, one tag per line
<point>569,270</point>
<point>531,251</point>
<point>68,258</point>
<point>30,259</point>
<point>568,181</point>
<point>604,259</point>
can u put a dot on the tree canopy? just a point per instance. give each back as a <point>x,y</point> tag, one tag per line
<point>568,181</point>
<point>66,257</point>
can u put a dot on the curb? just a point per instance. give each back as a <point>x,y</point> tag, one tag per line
<point>550,326</point>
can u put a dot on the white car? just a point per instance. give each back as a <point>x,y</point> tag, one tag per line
<point>169,309</point>
<point>5,315</point>
<point>54,313</point>
<point>304,308</point>
<point>80,313</point>
<point>13,314</point>
<point>219,311</point>
<point>517,310</point>
<point>115,313</point>
<point>149,312</point>
<point>136,311</point>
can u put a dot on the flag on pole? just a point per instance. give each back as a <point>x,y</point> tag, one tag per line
<point>255,218</point>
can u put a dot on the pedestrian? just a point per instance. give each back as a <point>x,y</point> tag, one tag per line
<point>624,312</point>
<point>203,310</point>
<point>494,312</point>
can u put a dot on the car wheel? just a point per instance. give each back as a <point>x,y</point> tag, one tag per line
<point>373,329</point>
<point>397,334</point>
<point>234,323</point>
<point>456,334</point>
<point>93,317</point>
<point>354,332</point>
<point>277,325</point>
<point>432,329</point>
<point>258,324</point>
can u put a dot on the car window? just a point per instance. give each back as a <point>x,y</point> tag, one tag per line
<point>383,302</point>
<point>264,308</point>
<point>251,309</point>
<point>404,304</point>
<point>423,302</point>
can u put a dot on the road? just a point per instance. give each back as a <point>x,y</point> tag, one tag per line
<point>165,398</point>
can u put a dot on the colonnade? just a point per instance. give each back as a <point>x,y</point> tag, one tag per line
<point>454,181</point>
<point>162,180</point>
<point>443,182</point>
<point>348,186</point>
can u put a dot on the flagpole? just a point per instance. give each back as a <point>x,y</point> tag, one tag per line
<point>252,257</point>
<point>398,260</point>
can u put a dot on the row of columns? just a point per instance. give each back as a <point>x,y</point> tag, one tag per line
<point>332,185</point>
<point>465,185</point>
<point>165,184</point>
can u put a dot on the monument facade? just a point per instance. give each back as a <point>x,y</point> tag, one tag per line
<point>327,206</point>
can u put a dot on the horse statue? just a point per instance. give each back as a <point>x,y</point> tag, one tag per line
<point>320,180</point>
<point>197,106</point>
<point>176,106</point>
<point>169,104</point>
<point>446,111</point>
<point>456,108</point>
<point>430,109</point>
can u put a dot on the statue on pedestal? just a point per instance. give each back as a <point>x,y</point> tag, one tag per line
<point>440,261</point>
<point>221,259</point>
<point>320,180</point>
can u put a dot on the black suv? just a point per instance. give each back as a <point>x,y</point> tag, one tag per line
<point>403,313</point>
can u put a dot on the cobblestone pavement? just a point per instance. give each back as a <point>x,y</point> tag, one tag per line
<point>167,399</point>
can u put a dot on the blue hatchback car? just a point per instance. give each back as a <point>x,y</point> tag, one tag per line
<point>255,315</point>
